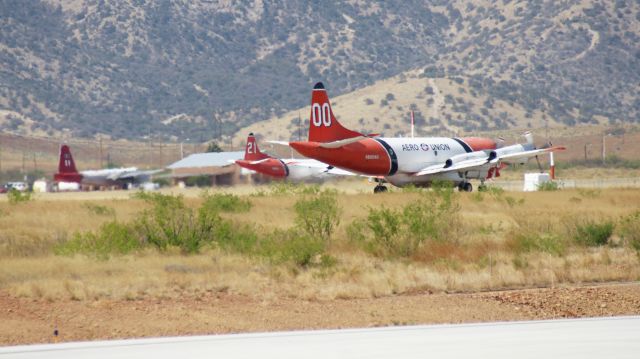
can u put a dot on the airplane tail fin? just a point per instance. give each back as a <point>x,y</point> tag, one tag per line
<point>66,164</point>
<point>323,126</point>
<point>252,152</point>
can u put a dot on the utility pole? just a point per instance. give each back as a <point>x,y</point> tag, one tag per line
<point>603,148</point>
<point>24,173</point>
<point>160,153</point>
<point>585,151</point>
<point>299,127</point>
<point>100,137</point>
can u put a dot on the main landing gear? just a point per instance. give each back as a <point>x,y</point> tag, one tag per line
<point>465,187</point>
<point>380,189</point>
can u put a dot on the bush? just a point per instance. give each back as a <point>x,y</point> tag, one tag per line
<point>168,223</point>
<point>292,245</point>
<point>629,229</point>
<point>537,242</point>
<point>14,196</point>
<point>401,233</point>
<point>224,202</point>
<point>590,233</point>
<point>548,186</point>
<point>318,215</point>
<point>111,238</point>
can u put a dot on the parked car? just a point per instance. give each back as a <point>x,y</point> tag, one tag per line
<point>18,186</point>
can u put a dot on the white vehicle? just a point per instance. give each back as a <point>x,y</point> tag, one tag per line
<point>18,186</point>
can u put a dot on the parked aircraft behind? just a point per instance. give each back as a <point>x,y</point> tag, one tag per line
<point>69,178</point>
<point>402,161</point>
<point>291,169</point>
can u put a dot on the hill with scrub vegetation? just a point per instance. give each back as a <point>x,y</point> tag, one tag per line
<point>199,70</point>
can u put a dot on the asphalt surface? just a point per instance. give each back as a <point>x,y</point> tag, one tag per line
<point>617,337</point>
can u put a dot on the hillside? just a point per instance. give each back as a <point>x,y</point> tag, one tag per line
<point>199,69</point>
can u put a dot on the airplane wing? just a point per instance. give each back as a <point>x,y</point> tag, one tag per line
<point>460,166</point>
<point>491,158</point>
<point>134,174</point>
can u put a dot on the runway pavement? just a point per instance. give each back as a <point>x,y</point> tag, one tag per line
<point>575,338</point>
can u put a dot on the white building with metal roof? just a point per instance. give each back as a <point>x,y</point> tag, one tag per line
<point>219,166</point>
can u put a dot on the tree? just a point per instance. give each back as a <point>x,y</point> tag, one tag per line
<point>214,147</point>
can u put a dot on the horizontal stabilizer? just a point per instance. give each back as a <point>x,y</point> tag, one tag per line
<point>340,143</point>
<point>281,143</point>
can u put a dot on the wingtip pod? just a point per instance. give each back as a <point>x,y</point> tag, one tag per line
<point>251,151</point>
<point>323,126</point>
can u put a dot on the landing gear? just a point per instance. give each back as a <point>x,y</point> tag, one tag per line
<point>482,187</point>
<point>465,187</point>
<point>379,189</point>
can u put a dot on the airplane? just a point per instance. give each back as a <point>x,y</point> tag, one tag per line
<point>68,178</point>
<point>405,161</point>
<point>291,169</point>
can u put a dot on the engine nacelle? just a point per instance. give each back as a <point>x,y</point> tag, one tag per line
<point>466,157</point>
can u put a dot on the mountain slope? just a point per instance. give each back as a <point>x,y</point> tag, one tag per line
<point>197,69</point>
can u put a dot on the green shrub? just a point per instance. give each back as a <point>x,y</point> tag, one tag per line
<point>224,202</point>
<point>318,215</point>
<point>629,229</point>
<point>538,242</point>
<point>111,238</point>
<point>292,245</point>
<point>548,186</point>
<point>591,233</point>
<point>14,196</point>
<point>400,233</point>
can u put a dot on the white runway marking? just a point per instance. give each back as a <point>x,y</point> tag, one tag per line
<point>576,338</point>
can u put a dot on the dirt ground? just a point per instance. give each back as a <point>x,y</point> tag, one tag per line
<point>25,321</point>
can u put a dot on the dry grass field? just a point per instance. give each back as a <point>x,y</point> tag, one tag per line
<point>482,257</point>
<point>491,240</point>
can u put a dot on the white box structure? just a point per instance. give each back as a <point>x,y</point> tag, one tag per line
<point>533,180</point>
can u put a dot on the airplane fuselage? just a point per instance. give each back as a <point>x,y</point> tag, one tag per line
<point>397,159</point>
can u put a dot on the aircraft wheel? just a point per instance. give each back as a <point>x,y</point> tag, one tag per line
<point>379,189</point>
<point>467,187</point>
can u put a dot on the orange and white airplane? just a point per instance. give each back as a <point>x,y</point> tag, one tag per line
<point>402,161</point>
<point>291,169</point>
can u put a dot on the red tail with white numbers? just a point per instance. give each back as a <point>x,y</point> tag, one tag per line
<point>323,126</point>
<point>66,167</point>
<point>252,152</point>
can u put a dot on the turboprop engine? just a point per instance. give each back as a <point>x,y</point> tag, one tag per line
<point>464,157</point>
